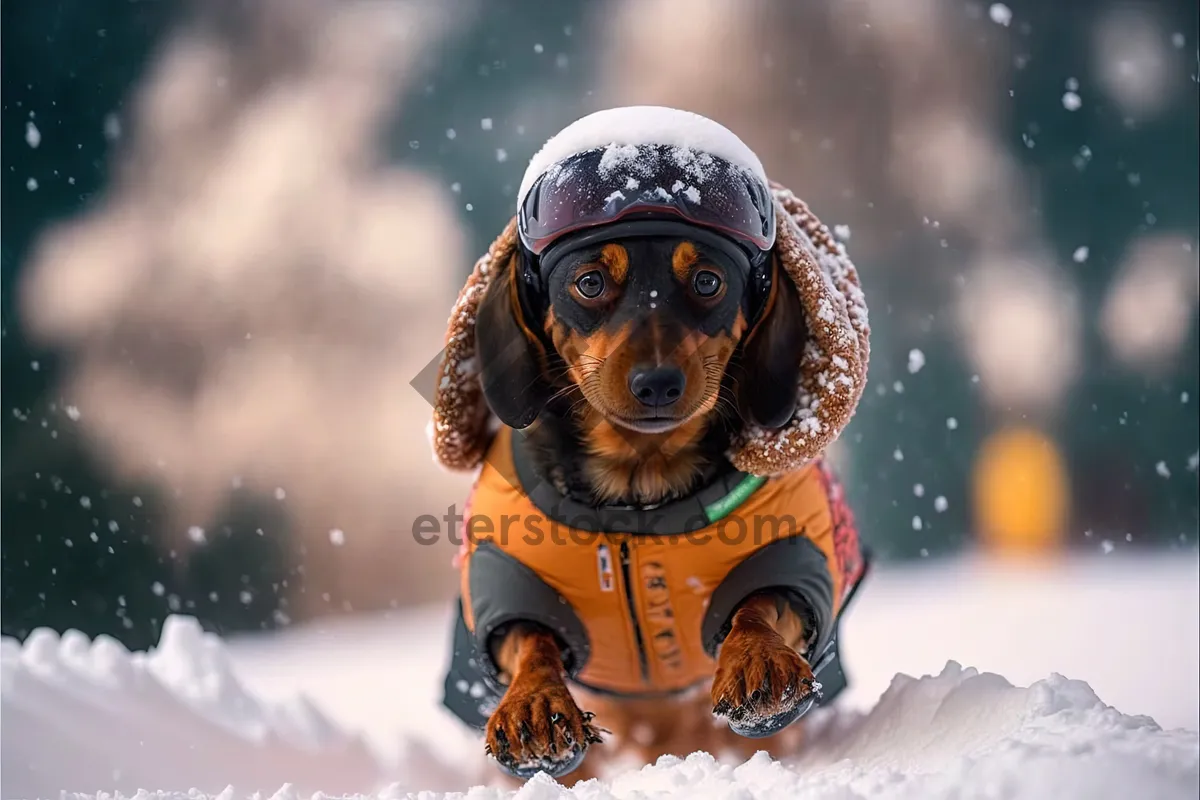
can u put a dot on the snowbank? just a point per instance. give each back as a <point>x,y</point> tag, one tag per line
<point>201,714</point>
<point>84,715</point>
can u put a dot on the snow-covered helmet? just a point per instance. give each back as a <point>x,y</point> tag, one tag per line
<point>645,170</point>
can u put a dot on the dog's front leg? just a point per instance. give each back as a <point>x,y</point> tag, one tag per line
<point>537,725</point>
<point>762,682</point>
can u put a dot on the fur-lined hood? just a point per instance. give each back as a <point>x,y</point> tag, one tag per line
<point>833,361</point>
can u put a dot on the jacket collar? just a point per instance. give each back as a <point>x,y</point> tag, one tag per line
<point>718,498</point>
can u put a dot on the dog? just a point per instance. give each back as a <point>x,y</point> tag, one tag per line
<point>621,380</point>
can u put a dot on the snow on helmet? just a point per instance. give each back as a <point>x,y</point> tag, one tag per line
<point>646,162</point>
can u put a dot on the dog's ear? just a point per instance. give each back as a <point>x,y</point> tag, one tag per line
<point>511,356</point>
<point>771,355</point>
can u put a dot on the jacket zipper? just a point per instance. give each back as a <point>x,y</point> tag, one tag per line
<point>633,615</point>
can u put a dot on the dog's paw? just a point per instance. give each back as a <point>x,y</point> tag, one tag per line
<point>538,728</point>
<point>761,685</point>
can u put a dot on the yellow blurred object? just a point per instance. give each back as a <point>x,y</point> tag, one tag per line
<point>1021,492</point>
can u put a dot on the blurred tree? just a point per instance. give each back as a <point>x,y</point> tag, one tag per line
<point>1105,178</point>
<point>1108,177</point>
<point>512,78</point>
<point>77,551</point>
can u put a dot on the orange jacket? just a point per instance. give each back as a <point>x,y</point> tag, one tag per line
<point>643,612</point>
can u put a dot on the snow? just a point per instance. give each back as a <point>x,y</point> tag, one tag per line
<point>916,360</point>
<point>1071,101</point>
<point>1000,14</point>
<point>112,127</point>
<point>350,705</point>
<point>621,130</point>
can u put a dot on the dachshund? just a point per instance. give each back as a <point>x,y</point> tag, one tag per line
<point>628,370</point>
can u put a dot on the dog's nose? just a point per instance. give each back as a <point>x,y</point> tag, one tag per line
<point>656,386</point>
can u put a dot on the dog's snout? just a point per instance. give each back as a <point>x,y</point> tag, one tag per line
<point>656,386</point>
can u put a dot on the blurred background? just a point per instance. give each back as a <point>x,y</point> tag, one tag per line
<point>233,231</point>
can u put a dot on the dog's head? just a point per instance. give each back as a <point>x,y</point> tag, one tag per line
<point>651,331</point>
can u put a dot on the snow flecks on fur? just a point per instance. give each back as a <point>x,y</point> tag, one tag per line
<point>834,361</point>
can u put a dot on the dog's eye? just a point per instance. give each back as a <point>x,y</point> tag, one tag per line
<point>590,284</point>
<point>706,283</point>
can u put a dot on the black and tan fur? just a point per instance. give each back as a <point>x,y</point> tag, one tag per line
<point>571,366</point>
<point>566,358</point>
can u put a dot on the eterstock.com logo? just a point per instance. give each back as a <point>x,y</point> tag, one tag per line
<point>584,528</point>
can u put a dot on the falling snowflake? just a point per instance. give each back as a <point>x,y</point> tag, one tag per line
<point>916,360</point>
<point>112,127</point>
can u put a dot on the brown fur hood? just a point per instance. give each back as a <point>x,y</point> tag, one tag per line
<point>833,362</point>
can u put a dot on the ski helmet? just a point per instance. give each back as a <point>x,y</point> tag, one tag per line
<point>645,171</point>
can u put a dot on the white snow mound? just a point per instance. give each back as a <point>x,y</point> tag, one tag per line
<point>639,125</point>
<point>81,715</point>
<point>960,734</point>
<point>201,717</point>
